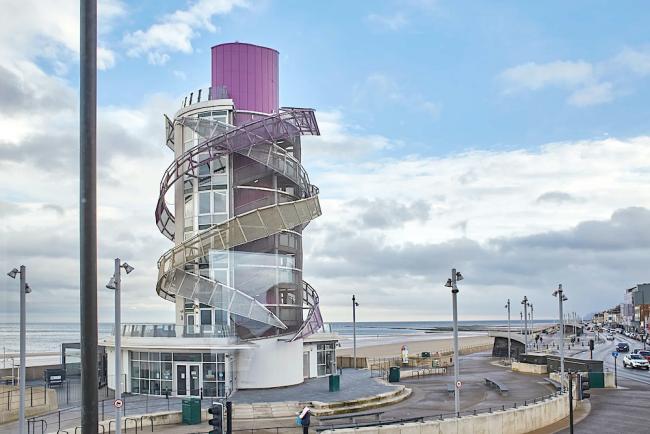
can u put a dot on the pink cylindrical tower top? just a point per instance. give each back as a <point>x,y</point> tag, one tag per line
<point>250,75</point>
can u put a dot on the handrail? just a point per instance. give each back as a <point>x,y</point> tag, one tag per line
<point>126,421</point>
<point>142,423</point>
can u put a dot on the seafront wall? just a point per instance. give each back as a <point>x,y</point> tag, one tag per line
<point>511,421</point>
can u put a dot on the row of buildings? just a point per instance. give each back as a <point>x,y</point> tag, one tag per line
<point>633,313</point>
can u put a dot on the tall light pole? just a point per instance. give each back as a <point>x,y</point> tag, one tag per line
<point>532,319</point>
<point>525,303</point>
<point>451,283</point>
<point>354,331</point>
<point>88,214</point>
<point>561,298</point>
<point>24,289</point>
<point>508,307</point>
<point>521,322</point>
<point>116,284</point>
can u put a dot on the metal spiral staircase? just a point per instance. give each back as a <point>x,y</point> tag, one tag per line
<point>256,140</point>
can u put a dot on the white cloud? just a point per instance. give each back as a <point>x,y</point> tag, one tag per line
<point>175,31</point>
<point>381,88</point>
<point>534,76</point>
<point>39,29</point>
<point>388,22</point>
<point>637,61</point>
<point>592,95</point>
<point>587,83</point>
<point>105,58</point>
<point>340,141</point>
<point>487,210</point>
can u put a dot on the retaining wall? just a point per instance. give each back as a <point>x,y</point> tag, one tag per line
<point>529,368</point>
<point>511,421</point>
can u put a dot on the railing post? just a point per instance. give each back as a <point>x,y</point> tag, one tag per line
<point>31,396</point>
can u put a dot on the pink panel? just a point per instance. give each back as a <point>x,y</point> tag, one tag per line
<point>249,73</point>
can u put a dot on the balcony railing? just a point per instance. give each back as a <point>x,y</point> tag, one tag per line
<point>173,330</point>
<point>205,94</point>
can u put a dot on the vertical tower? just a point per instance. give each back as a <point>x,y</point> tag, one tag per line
<point>239,212</point>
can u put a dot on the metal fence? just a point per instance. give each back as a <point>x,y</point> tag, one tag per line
<point>34,396</point>
<point>66,420</point>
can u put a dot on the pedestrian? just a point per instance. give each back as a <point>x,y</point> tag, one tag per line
<point>305,419</point>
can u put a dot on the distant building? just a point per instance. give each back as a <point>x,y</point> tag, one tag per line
<point>641,301</point>
<point>627,309</point>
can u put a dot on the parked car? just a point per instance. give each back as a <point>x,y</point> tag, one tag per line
<point>636,361</point>
<point>644,353</point>
<point>622,347</point>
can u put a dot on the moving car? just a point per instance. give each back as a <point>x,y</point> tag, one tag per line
<point>622,347</point>
<point>610,337</point>
<point>636,361</point>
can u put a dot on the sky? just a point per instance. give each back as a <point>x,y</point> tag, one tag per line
<point>507,139</point>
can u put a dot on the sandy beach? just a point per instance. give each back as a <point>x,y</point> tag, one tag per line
<point>414,347</point>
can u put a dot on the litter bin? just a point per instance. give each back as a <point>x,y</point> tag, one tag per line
<point>393,374</point>
<point>335,383</point>
<point>191,411</point>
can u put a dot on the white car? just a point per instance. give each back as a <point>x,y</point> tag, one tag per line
<point>610,337</point>
<point>635,361</point>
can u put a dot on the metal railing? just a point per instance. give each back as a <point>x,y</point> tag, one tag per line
<point>34,396</point>
<point>205,94</point>
<point>443,416</point>
<point>173,330</point>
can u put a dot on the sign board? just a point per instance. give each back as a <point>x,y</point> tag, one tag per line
<point>615,354</point>
<point>458,384</point>
<point>118,403</point>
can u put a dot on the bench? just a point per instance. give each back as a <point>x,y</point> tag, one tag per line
<point>451,389</point>
<point>352,417</point>
<point>500,387</point>
<point>554,383</point>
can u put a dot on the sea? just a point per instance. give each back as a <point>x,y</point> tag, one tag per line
<point>44,339</point>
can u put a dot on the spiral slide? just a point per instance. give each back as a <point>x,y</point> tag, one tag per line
<point>256,140</point>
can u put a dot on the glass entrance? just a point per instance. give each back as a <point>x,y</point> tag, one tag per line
<point>188,379</point>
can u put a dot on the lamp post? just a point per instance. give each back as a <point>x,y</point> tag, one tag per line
<point>521,322</point>
<point>525,303</point>
<point>116,284</point>
<point>24,289</point>
<point>451,283</point>
<point>561,298</point>
<point>532,319</point>
<point>354,331</point>
<point>508,307</point>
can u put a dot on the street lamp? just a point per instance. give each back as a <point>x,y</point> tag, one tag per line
<point>24,289</point>
<point>451,283</point>
<point>354,331</point>
<point>525,303</point>
<point>115,283</point>
<point>561,299</point>
<point>507,306</point>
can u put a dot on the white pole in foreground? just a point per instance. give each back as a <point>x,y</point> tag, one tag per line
<point>561,298</point>
<point>23,332</point>
<point>354,331</point>
<point>24,290</point>
<point>451,283</point>
<point>118,344</point>
<point>116,284</point>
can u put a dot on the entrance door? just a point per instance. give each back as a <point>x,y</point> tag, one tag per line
<point>195,380</point>
<point>188,379</point>
<point>181,380</point>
